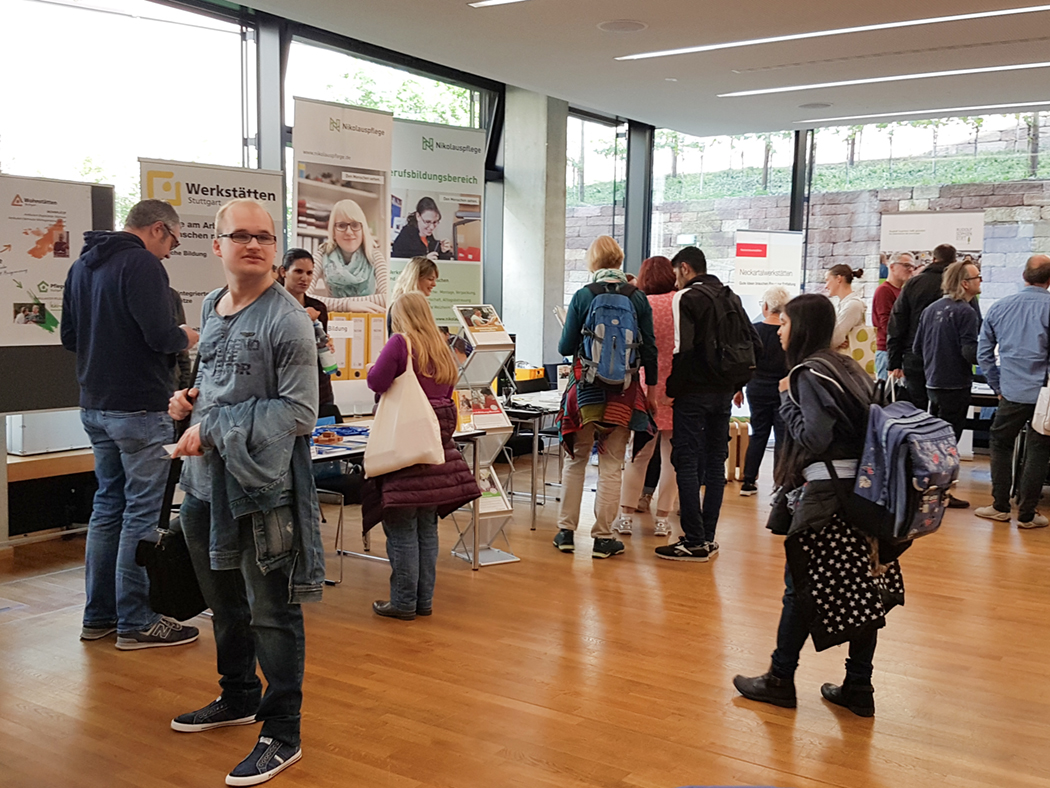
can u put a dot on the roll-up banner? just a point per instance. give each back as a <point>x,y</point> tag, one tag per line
<point>41,233</point>
<point>196,192</point>
<point>763,259</point>
<point>436,185</point>
<point>342,217</point>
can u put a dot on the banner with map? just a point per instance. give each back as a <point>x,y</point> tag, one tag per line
<point>41,232</point>
<point>196,191</point>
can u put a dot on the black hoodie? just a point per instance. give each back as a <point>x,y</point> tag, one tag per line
<point>117,318</point>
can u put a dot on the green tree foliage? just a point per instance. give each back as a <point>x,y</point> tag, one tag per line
<point>412,98</point>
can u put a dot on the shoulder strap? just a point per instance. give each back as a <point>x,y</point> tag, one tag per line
<point>627,289</point>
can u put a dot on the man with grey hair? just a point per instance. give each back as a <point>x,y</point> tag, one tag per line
<point>1018,326</point>
<point>902,266</point>
<point>116,318</point>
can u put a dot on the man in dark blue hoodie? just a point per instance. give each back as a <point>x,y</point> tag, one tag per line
<point>116,317</point>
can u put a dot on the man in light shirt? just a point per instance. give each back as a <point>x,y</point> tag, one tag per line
<point>1018,326</point>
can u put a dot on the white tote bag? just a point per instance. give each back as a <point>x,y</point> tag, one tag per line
<point>405,430</point>
<point>1041,417</point>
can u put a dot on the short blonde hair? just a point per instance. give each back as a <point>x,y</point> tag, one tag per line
<point>604,252</point>
<point>220,216</point>
<point>774,298</point>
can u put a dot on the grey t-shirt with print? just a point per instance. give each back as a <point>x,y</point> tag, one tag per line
<point>266,351</point>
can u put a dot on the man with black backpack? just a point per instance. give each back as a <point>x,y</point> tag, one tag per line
<point>609,333</point>
<point>716,347</point>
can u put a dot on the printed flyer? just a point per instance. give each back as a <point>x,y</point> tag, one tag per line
<point>196,192</point>
<point>436,187</point>
<point>41,233</point>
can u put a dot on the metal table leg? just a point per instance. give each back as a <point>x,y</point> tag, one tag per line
<point>536,423</point>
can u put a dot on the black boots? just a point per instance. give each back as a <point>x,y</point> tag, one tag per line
<point>767,688</point>
<point>858,698</point>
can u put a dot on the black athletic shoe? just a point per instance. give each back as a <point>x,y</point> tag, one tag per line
<point>269,758</point>
<point>767,688</point>
<point>217,714</point>
<point>858,698</point>
<point>564,540</point>
<point>607,548</point>
<point>681,551</point>
<point>748,488</point>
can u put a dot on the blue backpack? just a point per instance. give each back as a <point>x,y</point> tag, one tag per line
<point>910,464</point>
<point>609,352</point>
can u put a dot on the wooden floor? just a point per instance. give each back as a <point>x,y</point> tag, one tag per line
<point>561,671</point>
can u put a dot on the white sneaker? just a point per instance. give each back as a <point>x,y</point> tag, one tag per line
<point>623,525</point>
<point>1037,521</point>
<point>661,527</point>
<point>991,513</point>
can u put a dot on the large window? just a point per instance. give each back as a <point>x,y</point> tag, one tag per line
<point>328,75</point>
<point>595,178</point>
<point>706,188</point>
<point>88,89</point>
<point>995,163</point>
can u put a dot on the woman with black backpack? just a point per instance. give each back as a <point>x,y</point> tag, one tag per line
<point>839,581</point>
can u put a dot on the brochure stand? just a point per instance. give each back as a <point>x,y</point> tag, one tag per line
<point>482,416</point>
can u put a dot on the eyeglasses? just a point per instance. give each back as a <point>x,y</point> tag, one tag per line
<point>239,237</point>
<point>971,278</point>
<point>174,238</point>
<point>354,227</point>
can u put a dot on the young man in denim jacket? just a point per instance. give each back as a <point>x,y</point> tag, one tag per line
<point>250,515</point>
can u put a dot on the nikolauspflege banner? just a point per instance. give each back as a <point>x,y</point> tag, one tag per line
<point>437,186</point>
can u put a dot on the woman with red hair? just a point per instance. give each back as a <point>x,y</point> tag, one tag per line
<point>657,281</point>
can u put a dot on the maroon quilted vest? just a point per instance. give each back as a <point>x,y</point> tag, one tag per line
<point>447,486</point>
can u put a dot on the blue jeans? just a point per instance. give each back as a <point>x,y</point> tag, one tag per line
<point>882,364</point>
<point>764,403</point>
<point>252,619</point>
<point>792,634</point>
<point>699,450</point>
<point>412,547</point>
<point>132,468</point>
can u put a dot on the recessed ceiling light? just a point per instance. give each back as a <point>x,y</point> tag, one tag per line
<point>895,78</point>
<point>928,112</point>
<point>672,79</point>
<point>484,3</point>
<point>839,32</point>
<point>622,26</point>
<point>815,105</point>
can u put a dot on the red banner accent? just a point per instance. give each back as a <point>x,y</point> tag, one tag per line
<point>751,250</point>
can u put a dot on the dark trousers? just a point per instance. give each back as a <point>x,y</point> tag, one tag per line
<point>252,618</point>
<point>951,405</point>
<point>764,402</point>
<point>652,471</point>
<point>1010,419</point>
<point>698,452</point>
<point>915,381</point>
<point>792,634</point>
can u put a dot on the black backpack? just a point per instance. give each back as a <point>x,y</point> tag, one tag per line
<point>729,349</point>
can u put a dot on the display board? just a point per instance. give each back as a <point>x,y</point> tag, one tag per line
<point>196,192</point>
<point>765,259</point>
<point>438,172</point>
<point>41,234</point>
<point>342,202</point>
<point>921,232</point>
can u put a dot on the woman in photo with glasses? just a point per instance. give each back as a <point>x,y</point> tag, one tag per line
<point>416,238</point>
<point>350,272</point>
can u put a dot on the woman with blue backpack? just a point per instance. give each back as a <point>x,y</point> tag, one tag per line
<point>839,582</point>
<point>609,335</point>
